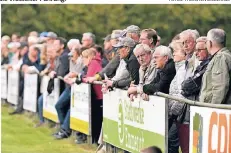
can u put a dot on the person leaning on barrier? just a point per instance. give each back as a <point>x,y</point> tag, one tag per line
<point>216,81</point>
<point>190,89</point>
<point>30,64</point>
<point>175,107</point>
<point>51,56</point>
<point>21,54</point>
<point>152,149</point>
<point>166,71</point>
<point>125,48</point>
<point>62,63</point>
<point>58,67</point>
<point>63,104</point>
<point>179,57</point>
<point>110,68</point>
<point>192,85</point>
<point>147,71</point>
<point>131,31</point>
<point>93,62</point>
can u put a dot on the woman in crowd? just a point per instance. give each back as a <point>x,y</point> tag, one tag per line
<point>93,62</point>
<point>179,57</point>
<point>51,56</point>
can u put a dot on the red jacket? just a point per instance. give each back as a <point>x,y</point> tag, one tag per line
<point>94,67</point>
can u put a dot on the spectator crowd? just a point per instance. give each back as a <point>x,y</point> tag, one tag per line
<point>191,66</point>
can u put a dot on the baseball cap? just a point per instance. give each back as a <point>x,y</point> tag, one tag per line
<point>116,34</point>
<point>52,35</point>
<point>43,34</point>
<point>133,29</point>
<point>126,41</point>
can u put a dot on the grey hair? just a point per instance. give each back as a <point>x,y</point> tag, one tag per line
<point>165,51</point>
<point>201,39</point>
<point>190,33</point>
<point>89,35</point>
<point>5,37</point>
<point>217,35</point>
<point>145,47</point>
<point>73,41</point>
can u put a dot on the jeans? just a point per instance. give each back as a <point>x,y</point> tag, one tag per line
<point>63,104</point>
<point>40,108</point>
<point>66,123</point>
<point>173,139</point>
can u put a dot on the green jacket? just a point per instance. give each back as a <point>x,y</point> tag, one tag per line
<point>216,85</point>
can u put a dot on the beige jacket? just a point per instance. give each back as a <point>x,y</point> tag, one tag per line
<point>216,83</point>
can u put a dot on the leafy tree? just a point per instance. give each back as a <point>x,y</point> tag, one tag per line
<point>71,21</point>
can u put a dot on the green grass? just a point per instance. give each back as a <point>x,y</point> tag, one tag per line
<point>20,136</point>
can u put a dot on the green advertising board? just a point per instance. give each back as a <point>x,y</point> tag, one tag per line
<point>134,125</point>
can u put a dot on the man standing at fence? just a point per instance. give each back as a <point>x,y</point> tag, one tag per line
<point>63,104</point>
<point>164,62</point>
<point>147,71</point>
<point>128,62</point>
<point>110,70</point>
<point>61,68</point>
<point>30,64</point>
<point>216,83</point>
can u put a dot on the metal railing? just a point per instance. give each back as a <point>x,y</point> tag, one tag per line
<point>187,101</point>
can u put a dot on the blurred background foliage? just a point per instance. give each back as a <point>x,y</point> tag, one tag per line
<point>70,21</point>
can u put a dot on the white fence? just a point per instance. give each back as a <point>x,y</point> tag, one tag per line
<point>13,87</point>
<point>3,84</point>
<point>127,125</point>
<point>30,92</point>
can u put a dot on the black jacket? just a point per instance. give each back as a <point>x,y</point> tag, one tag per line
<point>162,80</point>
<point>133,69</point>
<point>192,86</point>
<point>62,64</point>
<point>110,68</point>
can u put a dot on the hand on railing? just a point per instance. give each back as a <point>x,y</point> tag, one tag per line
<point>132,97</point>
<point>145,97</point>
<point>90,79</point>
<point>104,88</point>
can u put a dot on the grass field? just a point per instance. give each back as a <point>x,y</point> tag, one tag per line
<point>20,136</point>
